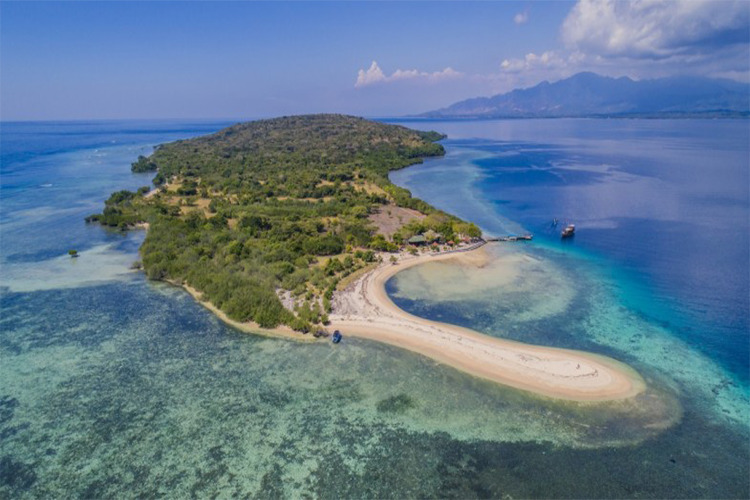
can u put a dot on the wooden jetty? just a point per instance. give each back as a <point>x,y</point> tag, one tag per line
<point>513,237</point>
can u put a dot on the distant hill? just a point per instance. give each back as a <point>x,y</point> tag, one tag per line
<point>589,94</point>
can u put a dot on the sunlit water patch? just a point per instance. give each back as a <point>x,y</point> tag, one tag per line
<point>457,193</point>
<point>102,263</point>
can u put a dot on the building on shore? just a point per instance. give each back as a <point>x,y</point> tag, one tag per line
<point>417,240</point>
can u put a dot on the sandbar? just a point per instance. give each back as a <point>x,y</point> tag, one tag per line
<point>364,310</point>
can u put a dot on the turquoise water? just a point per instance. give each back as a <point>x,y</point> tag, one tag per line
<point>115,386</point>
<point>664,202</point>
<point>657,274</point>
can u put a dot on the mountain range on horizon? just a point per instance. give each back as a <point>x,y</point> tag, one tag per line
<point>590,94</point>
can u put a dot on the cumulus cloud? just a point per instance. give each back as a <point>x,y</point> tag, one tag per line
<point>644,39</point>
<point>533,68</point>
<point>656,29</point>
<point>374,75</point>
<point>532,61</point>
<point>521,18</point>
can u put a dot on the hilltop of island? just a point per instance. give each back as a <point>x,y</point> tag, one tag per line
<point>265,219</point>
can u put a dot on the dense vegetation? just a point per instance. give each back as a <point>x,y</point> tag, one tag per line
<point>276,205</point>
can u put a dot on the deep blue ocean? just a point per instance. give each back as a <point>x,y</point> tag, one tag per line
<point>663,205</point>
<point>111,385</point>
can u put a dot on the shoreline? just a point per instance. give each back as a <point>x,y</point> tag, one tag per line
<point>365,310</point>
<point>247,327</point>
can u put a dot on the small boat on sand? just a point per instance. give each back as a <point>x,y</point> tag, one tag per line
<point>568,231</point>
<point>336,337</point>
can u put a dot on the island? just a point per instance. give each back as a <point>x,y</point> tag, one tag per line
<point>291,227</point>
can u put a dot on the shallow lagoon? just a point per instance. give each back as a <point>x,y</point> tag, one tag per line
<point>124,387</point>
<point>136,388</point>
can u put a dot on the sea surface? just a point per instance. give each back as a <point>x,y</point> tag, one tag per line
<point>111,385</point>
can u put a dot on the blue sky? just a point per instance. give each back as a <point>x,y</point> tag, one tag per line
<point>93,60</point>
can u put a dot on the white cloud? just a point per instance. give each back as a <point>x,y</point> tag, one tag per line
<point>374,75</point>
<point>404,74</point>
<point>446,74</point>
<point>643,39</point>
<point>521,18</point>
<point>656,29</point>
<point>534,68</point>
<point>532,61</point>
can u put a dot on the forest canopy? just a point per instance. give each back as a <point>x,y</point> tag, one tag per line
<point>274,206</point>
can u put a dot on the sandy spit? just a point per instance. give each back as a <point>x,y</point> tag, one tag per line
<point>365,310</point>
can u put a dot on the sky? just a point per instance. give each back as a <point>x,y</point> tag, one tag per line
<point>228,60</point>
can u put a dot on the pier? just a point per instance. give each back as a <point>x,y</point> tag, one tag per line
<point>512,237</point>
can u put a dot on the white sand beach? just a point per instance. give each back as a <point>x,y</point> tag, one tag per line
<point>365,310</point>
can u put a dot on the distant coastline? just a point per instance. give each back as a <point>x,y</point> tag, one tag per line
<point>709,115</point>
<point>589,95</point>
